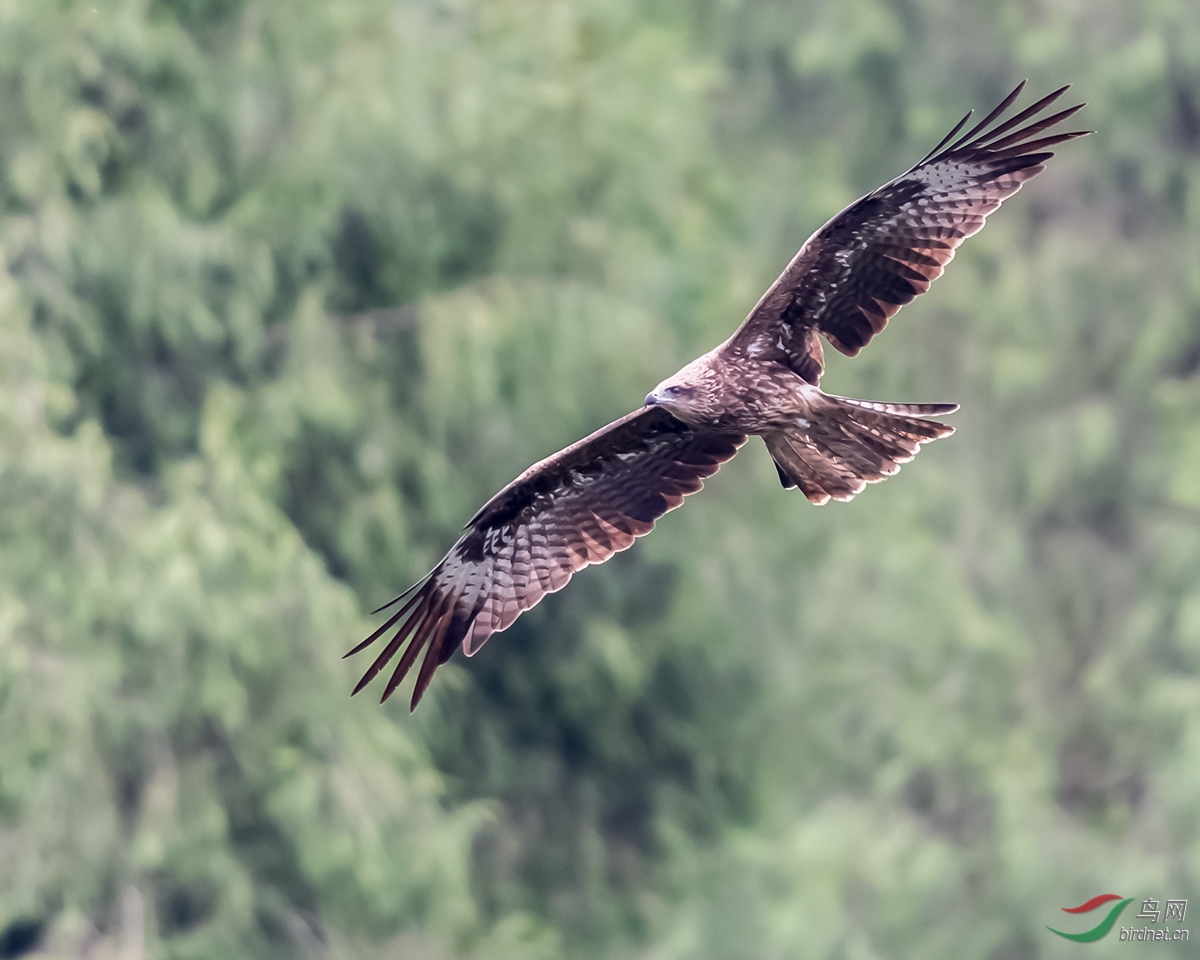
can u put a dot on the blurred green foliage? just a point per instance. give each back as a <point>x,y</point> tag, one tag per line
<point>291,287</point>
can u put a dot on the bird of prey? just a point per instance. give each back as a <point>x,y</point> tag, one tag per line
<point>594,498</point>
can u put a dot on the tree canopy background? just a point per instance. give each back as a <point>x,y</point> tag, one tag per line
<point>290,287</point>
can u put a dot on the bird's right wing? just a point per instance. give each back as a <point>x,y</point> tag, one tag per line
<point>575,508</point>
<point>884,250</point>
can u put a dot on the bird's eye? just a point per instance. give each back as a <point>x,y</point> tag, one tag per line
<point>674,391</point>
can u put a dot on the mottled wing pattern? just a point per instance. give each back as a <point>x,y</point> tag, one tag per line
<point>882,251</point>
<point>573,509</point>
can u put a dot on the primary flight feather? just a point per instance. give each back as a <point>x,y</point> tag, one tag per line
<point>594,498</point>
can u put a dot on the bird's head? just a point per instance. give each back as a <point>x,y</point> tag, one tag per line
<point>683,394</point>
<point>670,395</point>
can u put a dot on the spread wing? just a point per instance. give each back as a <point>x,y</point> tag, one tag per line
<point>573,509</point>
<point>882,251</point>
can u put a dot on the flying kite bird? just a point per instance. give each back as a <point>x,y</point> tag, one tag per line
<point>585,503</point>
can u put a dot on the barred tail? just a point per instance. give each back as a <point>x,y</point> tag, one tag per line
<point>848,443</point>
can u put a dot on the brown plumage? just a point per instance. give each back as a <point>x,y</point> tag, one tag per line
<point>594,498</point>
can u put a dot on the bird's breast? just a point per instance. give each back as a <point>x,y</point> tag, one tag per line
<point>760,399</point>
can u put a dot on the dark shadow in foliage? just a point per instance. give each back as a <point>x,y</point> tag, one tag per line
<point>544,727</point>
<point>1186,111</point>
<point>440,236</point>
<point>199,16</point>
<point>473,228</point>
<point>182,905</point>
<point>148,393</point>
<point>1184,363</point>
<point>951,804</point>
<point>358,258</point>
<point>1091,779</point>
<point>320,478</point>
<point>21,937</point>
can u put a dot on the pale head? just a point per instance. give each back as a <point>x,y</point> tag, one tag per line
<point>691,394</point>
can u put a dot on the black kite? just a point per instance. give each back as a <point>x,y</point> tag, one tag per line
<point>585,503</point>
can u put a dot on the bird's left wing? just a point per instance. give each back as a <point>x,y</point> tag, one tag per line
<point>575,508</point>
<point>884,250</point>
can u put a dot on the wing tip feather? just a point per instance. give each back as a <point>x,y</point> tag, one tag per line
<point>985,137</point>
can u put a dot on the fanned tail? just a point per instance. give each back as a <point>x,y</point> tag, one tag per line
<point>849,443</point>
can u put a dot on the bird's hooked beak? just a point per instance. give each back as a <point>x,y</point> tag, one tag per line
<point>666,394</point>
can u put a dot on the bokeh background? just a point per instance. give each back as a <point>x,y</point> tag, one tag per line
<point>291,286</point>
